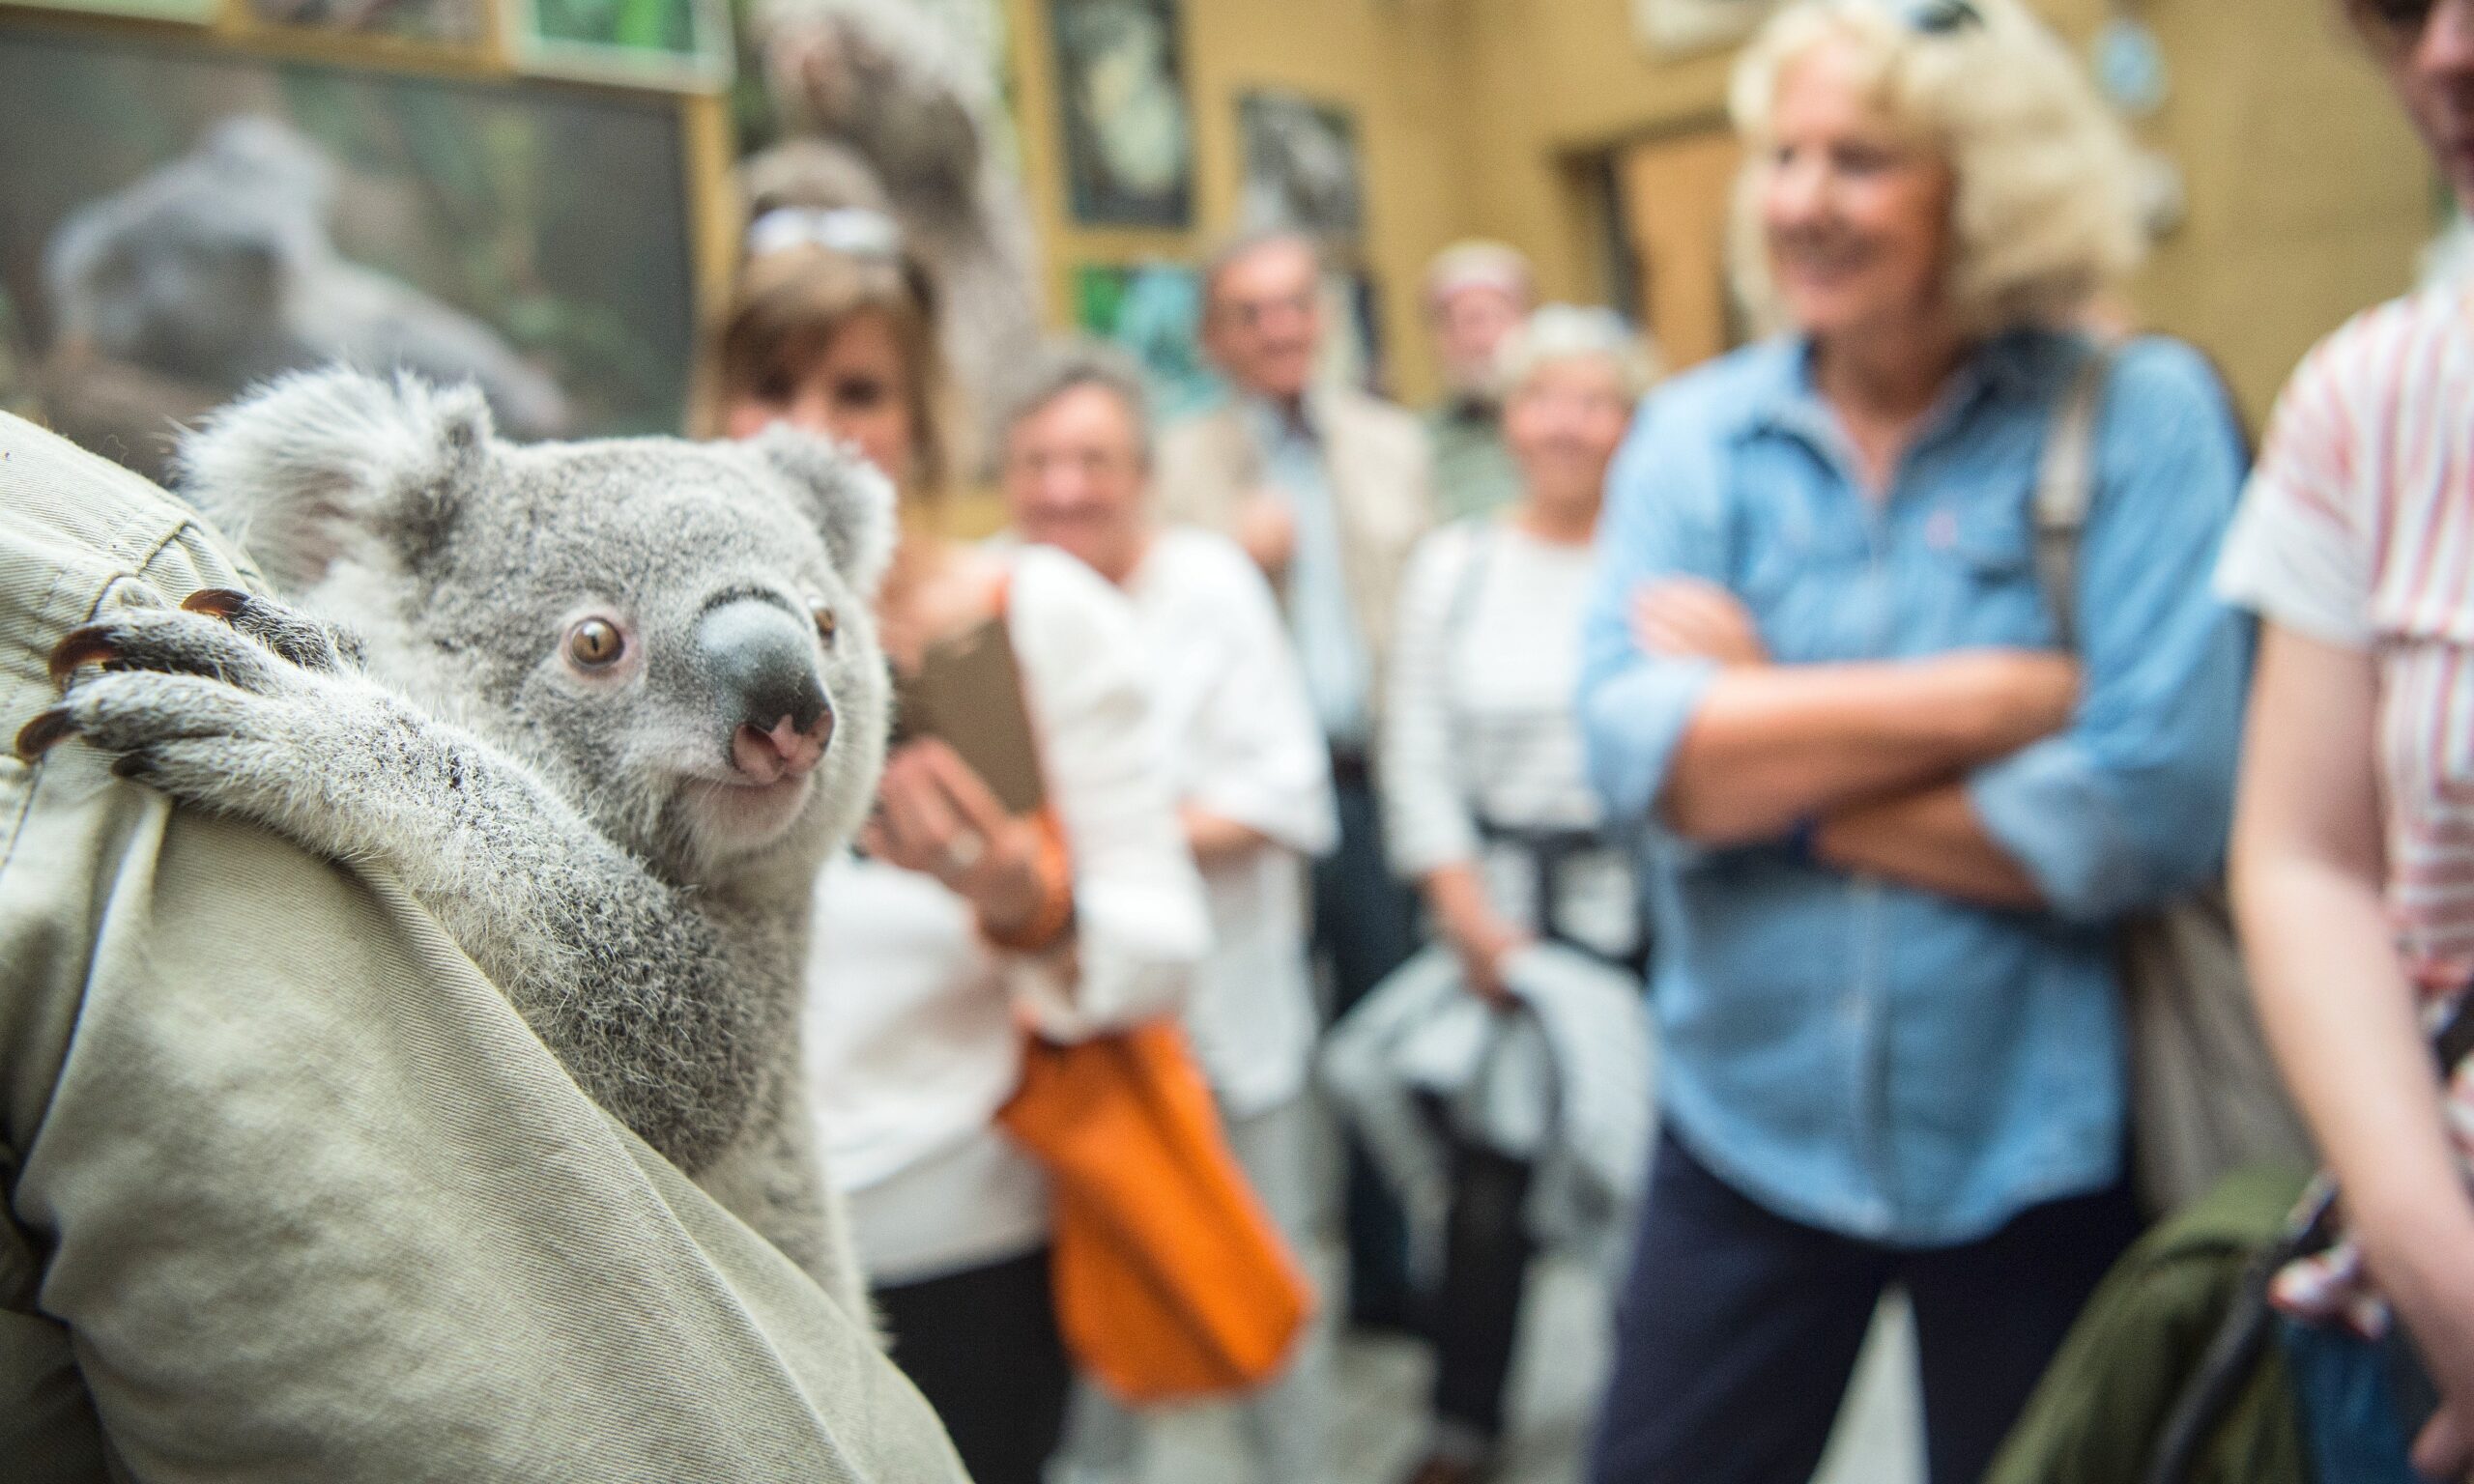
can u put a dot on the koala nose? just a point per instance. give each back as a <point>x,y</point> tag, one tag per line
<point>762,663</point>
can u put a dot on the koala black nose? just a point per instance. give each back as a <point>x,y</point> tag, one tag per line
<point>762,659</point>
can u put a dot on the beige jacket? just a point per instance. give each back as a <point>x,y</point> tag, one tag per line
<point>1381,470</point>
<point>292,1194</point>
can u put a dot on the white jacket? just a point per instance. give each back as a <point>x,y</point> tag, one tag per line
<point>1564,1083</point>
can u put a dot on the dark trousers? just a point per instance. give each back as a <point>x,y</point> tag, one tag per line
<point>1486,1271</point>
<point>1738,1329</point>
<point>982,1346</point>
<point>1364,922</point>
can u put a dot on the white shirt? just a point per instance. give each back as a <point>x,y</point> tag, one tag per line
<point>1238,738</point>
<point>913,1025</point>
<point>1483,729</point>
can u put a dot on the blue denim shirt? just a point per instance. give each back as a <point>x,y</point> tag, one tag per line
<point>1884,1062</point>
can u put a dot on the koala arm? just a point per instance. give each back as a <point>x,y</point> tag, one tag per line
<point>265,718</point>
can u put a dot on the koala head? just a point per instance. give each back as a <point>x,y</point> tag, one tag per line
<point>676,635</point>
<point>187,270</point>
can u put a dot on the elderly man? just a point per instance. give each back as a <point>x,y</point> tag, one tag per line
<point>1327,489</point>
<point>1238,742</point>
<point>1476,294</point>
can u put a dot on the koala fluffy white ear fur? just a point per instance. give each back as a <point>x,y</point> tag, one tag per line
<point>854,504</point>
<point>319,464</point>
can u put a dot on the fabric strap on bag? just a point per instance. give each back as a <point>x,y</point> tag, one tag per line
<point>2205,1097</point>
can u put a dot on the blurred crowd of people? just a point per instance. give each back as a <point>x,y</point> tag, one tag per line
<point>1760,685</point>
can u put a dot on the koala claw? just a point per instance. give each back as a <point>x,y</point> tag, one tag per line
<point>216,602</point>
<point>44,732</point>
<point>168,643</point>
<point>92,644</point>
<point>296,636</point>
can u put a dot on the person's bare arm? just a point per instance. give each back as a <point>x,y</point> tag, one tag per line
<point>2307,869</point>
<point>1466,920</point>
<point>1216,839</point>
<point>1774,745</point>
<point>1931,839</point>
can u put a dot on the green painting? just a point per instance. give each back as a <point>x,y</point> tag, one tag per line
<point>182,225</point>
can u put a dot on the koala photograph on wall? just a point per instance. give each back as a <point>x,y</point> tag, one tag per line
<point>182,225</point>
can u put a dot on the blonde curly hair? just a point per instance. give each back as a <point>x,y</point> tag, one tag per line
<point>2043,214</point>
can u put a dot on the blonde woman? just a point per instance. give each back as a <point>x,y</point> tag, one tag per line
<point>1895,815</point>
<point>934,953</point>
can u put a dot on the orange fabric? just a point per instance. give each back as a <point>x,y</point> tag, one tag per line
<point>1170,1281</point>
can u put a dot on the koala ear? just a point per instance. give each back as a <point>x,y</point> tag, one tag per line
<point>321,463</point>
<point>852,505</point>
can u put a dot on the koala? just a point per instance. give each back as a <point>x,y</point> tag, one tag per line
<point>218,269</point>
<point>602,707</point>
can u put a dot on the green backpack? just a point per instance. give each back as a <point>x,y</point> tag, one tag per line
<point>2105,1404</point>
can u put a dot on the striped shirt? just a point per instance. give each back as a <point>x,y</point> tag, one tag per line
<point>2358,531</point>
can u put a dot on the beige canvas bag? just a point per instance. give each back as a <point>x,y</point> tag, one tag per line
<point>2205,1097</point>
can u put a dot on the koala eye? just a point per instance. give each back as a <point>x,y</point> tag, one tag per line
<point>827,623</point>
<point>595,643</point>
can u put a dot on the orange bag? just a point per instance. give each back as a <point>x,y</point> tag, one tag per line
<point>1170,1281</point>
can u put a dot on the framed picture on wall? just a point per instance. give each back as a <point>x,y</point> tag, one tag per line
<point>682,45</point>
<point>1154,310</point>
<point>1121,100</point>
<point>1695,25</point>
<point>1302,168</point>
<point>184,224</point>
<point>443,23</point>
<point>200,13</point>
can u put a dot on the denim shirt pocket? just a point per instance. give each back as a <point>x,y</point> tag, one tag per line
<point>2001,597</point>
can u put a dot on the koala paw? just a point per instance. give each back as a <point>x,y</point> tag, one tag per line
<point>220,703</point>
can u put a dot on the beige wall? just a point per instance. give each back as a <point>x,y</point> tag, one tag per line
<point>2308,198</point>
<point>1397,63</point>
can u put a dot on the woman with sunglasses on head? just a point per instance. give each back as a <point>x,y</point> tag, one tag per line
<point>1893,813</point>
<point>966,927</point>
<point>2354,837</point>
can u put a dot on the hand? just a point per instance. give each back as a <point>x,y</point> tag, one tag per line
<point>1268,532</point>
<point>2424,1275</point>
<point>1683,617</point>
<point>934,815</point>
<point>1482,941</point>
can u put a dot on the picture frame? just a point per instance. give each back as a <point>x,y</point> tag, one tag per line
<point>193,13</point>
<point>456,25</point>
<point>1154,311</point>
<point>1122,107</point>
<point>549,243</point>
<point>679,46</point>
<point>1302,168</point>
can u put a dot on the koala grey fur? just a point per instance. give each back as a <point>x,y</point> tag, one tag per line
<point>595,838</point>
<point>219,269</point>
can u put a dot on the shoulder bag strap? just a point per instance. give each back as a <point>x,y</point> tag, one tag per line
<point>2065,485</point>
